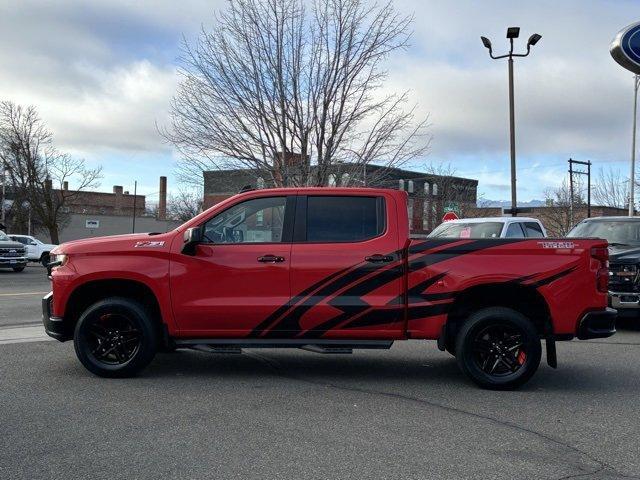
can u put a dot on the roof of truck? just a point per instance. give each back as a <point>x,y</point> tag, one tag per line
<point>604,219</point>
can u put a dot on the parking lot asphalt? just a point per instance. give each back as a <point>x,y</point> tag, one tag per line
<point>20,294</point>
<point>403,413</point>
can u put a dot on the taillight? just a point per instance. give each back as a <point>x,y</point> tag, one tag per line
<point>602,280</point>
<point>601,253</point>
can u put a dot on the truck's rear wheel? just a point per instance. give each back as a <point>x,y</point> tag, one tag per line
<point>498,348</point>
<point>44,259</point>
<point>115,338</point>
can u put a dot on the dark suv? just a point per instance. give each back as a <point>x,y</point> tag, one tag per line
<point>623,235</point>
<point>12,254</point>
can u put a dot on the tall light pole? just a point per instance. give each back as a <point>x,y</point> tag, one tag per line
<point>632,176</point>
<point>4,172</point>
<point>625,49</point>
<point>512,32</point>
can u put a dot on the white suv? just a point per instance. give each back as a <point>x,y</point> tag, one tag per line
<point>493,227</point>
<point>36,250</point>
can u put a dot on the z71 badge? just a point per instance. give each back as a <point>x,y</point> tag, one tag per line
<point>149,244</point>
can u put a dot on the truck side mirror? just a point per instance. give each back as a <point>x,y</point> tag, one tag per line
<point>192,236</point>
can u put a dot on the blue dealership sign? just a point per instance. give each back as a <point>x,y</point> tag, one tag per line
<point>625,48</point>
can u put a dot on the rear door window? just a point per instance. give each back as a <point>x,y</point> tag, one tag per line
<point>344,218</point>
<point>514,230</point>
<point>533,230</point>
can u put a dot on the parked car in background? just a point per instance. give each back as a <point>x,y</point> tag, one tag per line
<point>12,254</point>
<point>623,235</point>
<point>37,251</point>
<point>490,227</point>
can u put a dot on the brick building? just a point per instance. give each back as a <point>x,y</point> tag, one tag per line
<point>429,195</point>
<point>91,214</point>
<point>117,202</point>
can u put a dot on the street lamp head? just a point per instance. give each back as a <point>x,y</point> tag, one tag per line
<point>513,32</point>
<point>486,42</point>
<point>533,39</point>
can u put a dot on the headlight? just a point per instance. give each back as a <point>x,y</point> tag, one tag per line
<point>58,259</point>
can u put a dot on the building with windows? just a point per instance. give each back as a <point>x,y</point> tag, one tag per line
<point>430,195</point>
<point>92,214</point>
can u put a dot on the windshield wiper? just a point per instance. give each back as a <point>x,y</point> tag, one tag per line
<point>618,244</point>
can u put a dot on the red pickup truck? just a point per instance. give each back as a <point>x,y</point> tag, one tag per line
<point>328,270</point>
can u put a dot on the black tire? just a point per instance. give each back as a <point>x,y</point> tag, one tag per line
<point>44,259</point>
<point>18,269</point>
<point>498,348</point>
<point>115,337</point>
<point>450,347</point>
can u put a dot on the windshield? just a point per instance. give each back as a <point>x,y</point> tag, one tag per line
<point>613,231</point>
<point>4,237</point>
<point>467,230</point>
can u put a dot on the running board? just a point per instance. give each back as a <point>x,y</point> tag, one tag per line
<point>233,345</point>
<point>216,349</point>
<point>324,349</point>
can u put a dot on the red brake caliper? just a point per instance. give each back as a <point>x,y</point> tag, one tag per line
<point>521,357</point>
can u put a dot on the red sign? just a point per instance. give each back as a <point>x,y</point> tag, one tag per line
<point>447,217</point>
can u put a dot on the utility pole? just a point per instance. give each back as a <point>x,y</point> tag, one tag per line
<point>512,32</point>
<point>135,197</point>
<point>632,175</point>
<point>4,182</point>
<point>570,192</point>
<point>573,172</point>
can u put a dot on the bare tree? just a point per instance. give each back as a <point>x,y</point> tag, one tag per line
<point>611,189</point>
<point>38,173</point>
<point>560,215</point>
<point>185,205</point>
<point>291,91</point>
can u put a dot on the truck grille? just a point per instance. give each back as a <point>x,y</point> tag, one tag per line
<point>11,252</point>
<point>623,277</point>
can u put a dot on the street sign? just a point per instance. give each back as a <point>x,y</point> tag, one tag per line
<point>91,224</point>
<point>447,217</point>
<point>452,207</point>
<point>625,48</point>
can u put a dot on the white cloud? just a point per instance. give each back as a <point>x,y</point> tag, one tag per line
<point>102,74</point>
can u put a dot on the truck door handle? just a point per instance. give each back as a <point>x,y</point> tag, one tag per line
<point>270,259</point>
<point>378,258</point>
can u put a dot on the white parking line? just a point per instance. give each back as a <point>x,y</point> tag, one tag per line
<point>32,333</point>
<point>21,293</point>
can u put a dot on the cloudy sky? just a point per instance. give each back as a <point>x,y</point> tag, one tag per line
<point>102,73</point>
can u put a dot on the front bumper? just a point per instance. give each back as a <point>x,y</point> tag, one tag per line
<point>13,262</point>
<point>624,300</point>
<point>53,326</point>
<point>598,324</point>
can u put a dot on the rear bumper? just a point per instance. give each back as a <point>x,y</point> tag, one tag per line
<point>53,326</point>
<point>599,324</point>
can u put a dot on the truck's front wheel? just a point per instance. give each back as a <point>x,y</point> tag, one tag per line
<point>115,337</point>
<point>498,348</point>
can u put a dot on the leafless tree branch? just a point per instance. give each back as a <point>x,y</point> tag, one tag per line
<point>276,78</point>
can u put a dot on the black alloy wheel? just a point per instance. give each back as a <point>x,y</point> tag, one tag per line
<point>115,337</point>
<point>498,348</point>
